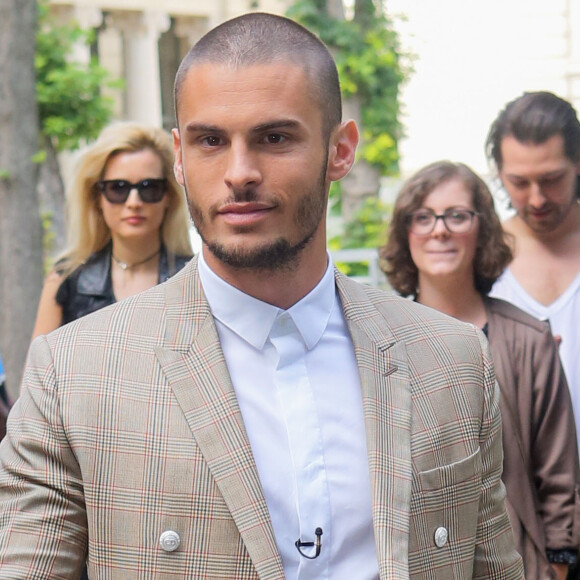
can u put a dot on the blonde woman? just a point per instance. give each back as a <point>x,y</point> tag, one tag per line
<point>127,225</point>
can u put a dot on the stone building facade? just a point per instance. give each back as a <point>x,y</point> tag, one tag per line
<point>470,59</point>
<point>143,41</point>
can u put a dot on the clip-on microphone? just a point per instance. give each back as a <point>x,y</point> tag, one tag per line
<point>300,545</point>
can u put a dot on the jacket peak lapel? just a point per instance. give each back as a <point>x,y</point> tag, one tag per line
<point>383,369</point>
<point>199,377</point>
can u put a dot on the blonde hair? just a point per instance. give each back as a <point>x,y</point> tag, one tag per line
<point>87,230</point>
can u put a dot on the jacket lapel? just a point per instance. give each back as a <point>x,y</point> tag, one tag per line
<point>195,367</point>
<point>383,369</point>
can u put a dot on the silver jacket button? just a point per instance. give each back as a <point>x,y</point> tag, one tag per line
<point>169,541</point>
<point>441,537</point>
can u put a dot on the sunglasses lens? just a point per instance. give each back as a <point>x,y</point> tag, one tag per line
<point>152,190</point>
<point>117,190</point>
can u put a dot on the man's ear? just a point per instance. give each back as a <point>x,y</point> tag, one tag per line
<point>341,153</point>
<point>177,163</point>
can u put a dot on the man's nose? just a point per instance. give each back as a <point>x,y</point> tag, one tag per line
<point>537,198</point>
<point>242,169</point>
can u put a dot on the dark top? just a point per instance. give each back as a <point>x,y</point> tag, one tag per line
<point>90,288</point>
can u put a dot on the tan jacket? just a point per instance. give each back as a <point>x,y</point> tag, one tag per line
<point>539,438</point>
<point>128,425</point>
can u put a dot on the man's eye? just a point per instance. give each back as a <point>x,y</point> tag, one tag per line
<point>551,180</point>
<point>212,141</point>
<point>274,138</point>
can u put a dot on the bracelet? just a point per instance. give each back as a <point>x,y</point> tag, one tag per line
<point>566,556</point>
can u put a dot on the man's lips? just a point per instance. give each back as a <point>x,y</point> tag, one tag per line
<point>244,212</point>
<point>539,213</point>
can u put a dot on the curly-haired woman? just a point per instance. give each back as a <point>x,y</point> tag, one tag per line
<point>446,248</point>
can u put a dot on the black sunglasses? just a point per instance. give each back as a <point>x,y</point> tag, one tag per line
<point>118,190</point>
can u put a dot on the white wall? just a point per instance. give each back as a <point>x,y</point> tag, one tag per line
<point>472,57</point>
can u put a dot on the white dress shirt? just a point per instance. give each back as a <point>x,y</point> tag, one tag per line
<point>297,383</point>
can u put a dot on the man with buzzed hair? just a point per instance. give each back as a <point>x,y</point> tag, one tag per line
<point>260,415</point>
<point>271,41</point>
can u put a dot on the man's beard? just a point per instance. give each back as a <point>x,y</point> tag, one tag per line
<point>557,218</point>
<point>276,255</point>
<point>559,213</point>
<point>279,253</point>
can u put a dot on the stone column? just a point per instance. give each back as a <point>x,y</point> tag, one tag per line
<point>191,28</point>
<point>87,17</point>
<point>141,32</point>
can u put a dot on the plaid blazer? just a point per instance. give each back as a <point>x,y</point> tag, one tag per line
<point>128,426</point>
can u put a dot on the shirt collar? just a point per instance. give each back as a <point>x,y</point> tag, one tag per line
<point>252,320</point>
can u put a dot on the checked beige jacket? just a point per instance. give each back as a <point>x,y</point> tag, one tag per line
<point>128,426</point>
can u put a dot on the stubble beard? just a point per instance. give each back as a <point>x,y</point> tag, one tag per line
<point>557,217</point>
<point>280,253</point>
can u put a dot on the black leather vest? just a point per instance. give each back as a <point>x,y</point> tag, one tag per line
<point>90,288</point>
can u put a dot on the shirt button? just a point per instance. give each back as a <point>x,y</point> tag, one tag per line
<point>441,537</point>
<point>169,541</point>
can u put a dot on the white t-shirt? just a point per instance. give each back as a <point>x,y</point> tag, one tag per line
<point>564,317</point>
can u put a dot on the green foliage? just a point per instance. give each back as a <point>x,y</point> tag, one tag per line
<point>39,157</point>
<point>71,107</point>
<point>367,229</point>
<point>335,198</point>
<point>367,54</point>
<point>48,240</point>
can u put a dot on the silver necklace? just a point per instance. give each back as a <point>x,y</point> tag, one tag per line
<point>125,266</point>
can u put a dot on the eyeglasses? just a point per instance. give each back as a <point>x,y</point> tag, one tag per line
<point>118,190</point>
<point>456,220</point>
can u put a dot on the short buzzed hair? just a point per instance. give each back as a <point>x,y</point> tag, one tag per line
<point>259,38</point>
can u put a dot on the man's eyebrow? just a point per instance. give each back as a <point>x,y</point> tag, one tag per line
<point>273,125</point>
<point>202,128</point>
<point>268,126</point>
<point>553,173</point>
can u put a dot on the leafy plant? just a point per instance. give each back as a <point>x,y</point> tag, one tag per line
<point>367,229</point>
<point>70,104</point>
<point>48,239</point>
<point>368,58</point>
<point>71,107</point>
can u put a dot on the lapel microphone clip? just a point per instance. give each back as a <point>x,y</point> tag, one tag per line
<point>299,545</point>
